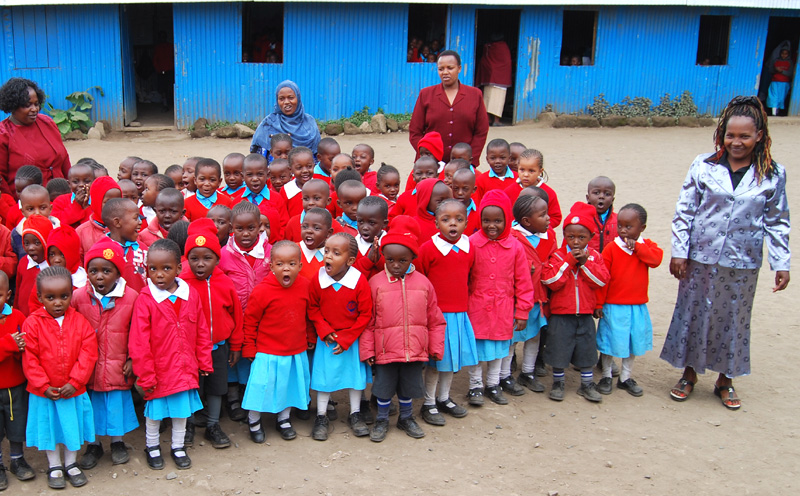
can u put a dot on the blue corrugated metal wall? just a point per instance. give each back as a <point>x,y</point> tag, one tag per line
<point>88,54</point>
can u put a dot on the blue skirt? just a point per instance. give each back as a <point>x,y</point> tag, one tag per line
<point>460,349</point>
<point>114,414</point>
<point>337,372</point>
<point>239,372</point>
<point>489,349</point>
<point>64,421</point>
<point>277,382</point>
<point>177,405</point>
<point>536,320</point>
<point>624,330</point>
<point>776,96</point>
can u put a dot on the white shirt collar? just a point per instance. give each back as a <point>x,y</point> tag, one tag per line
<point>149,214</point>
<point>309,255</point>
<point>117,292</point>
<point>291,189</point>
<point>526,233</point>
<point>624,246</point>
<point>350,279</point>
<point>60,321</point>
<point>257,251</point>
<point>160,294</point>
<point>79,278</point>
<point>186,193</point>
<point>32,264</point>
<point>364,246</point>
<point>446,247</point>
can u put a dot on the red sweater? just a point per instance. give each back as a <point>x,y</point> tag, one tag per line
<point>70,213</point>
<point>135,273</point>
<point>553,207</point>
<point>195,210</point>
<point>151,234</point>
<point>89,232</point>
<point>345,312</point>
<point>221,306</point>
<point>9,211</point>
<point>293,197</point>
<point>11,374</point>
<point>311,267</point>
<point>26,283</point>
<point>485,183</point>
<point>449,275</point>
<point>628,280</point>
<point>56,355</point>
<point>276,319</point>
<point>8,259</point>
<point>573,287</point>
<point>606,232</point>
<point>406,205</point>
<point>293,231</point>
<point>370,180</point>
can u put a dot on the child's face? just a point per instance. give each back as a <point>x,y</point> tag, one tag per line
<point>439,194</point>
<point>139,175</point>
<point>177,178</point>
<point>539,220</point>
<point>38,204</point>
<point>577,237</point>
<point>337,257</point>
<point>168,211</point>
<point>529,171</point>
<point>389,185</point>
<point>207,180</point>
<point>162,269</point>
<point>80,178</point>
<point>784,54</point>
<point>56,258</point>
<point>370,222</point>
<point>281,149</point>
<point>20,184</point>
<point>279,174</point>
<point>127,225</point>
<point>348,200</point>
<point>425,170</point>
<point>424,152</point>
<point>497,158</point>
<point>464,153</point>
<point>263,226</point>
<point>338,165</point>
<point>463,188</point>
<point>222,220</point>
<point>150,192</point>
<point>362,158</point>
<point>513,159</point>
<point>601,195</point>
<point>451,221</point>
<point>255,175</point>
<point>55,294</point>
<point>125,169</point>
<point>449,170</point>
<point>493,221</point>
<point>102,274</point>
<point>245,229</point>
<point>314,232</point>
<point>629,226</point>
<point>233,171</point>
<point>188,175</point>
<point>129,191</point>
<point>202,262</point>
<point>303,168</point>
<point>316,194</point>
<point>33,247</point>
<point>285,264</point>
<point>398,258</point>
<point>326,154</point>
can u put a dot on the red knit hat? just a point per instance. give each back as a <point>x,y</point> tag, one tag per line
<point>97,191</point>
<point>107,249</point>
<point>403,230</point>
<point>39,226</point>
<point>581,214</point>
<point>67,240</point>
<point>203,234</point>
<point>432,141</point>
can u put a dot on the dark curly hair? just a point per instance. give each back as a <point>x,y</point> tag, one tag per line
<point>14,94</point>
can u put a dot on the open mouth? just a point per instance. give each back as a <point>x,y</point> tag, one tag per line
<point>286,280</point>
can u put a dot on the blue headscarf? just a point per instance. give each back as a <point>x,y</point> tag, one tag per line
<point>300,126</point>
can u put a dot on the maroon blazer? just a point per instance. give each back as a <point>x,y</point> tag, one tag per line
<point>464,121</point>
<point>38,144</point>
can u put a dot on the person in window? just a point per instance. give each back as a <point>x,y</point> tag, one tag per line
<point>494,74</point>
<point>781,70</point>
<point>287,117</point>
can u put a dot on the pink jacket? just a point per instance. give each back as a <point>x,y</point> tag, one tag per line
<point>90,233</point>
<point>406,324</point>
<point>244,277</point>
<point>111,326</point>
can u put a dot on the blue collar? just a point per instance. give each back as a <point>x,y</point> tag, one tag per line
<point>6,309</point>
<point>230,191</point>
<point>206,201</point>
<point>318,170</point>
<point>604,217</point>
<point>508,175</point>
<point>533,240</point>
<point>471,207</point>
<point>126,245</point>
<point>302,216</point>
<point>347,220</point>
<point>256,198</point>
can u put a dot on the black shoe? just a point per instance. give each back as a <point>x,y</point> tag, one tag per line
<point>475,397</point>
<point>302,414</point>
<point>495,394</point>
<point>154,462</point>
<point>357,424</point>
<point>200,418</point>
<point>119,453</point>
<point>216,437</point>
<point>236,412</point>
<point>411,427</point>
<point>540,370</point>
<point>631,387</point>
<point>509,385</point>
<point>428,415</point>
<point>258,436</point>
<point>56,482</point>
<point>379,430</point>
<point>531,382</point>
<point>285,429</point>
<point>451,408</point>
<point>3,478</point>
<point>188,439</point>
<point>589,391</point>
<point>366,413</point>
<point>181,462</point>
<point>77,480</point>
<point>20,468</point>
<point>91,456</point>
<point>604,386</point>
<point>557,391</point>
<point>320,430</point>
<point>331,412</point>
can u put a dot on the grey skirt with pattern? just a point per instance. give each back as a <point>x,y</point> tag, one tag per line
<point>710,326</point>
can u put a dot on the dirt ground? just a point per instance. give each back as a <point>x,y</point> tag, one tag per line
<point>625,445</point>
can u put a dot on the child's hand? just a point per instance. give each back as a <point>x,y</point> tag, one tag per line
<point>233,357</point>
<point>434,357</point>
<point>374,253</point>
<point>67,390</point>
<point>82,195</point>
<point>127,369</point>
<point>580,255</point>
<point>150,390</point>
<point>337,350</point>
<point>311,346</point>
<point>52,393</point>
<point>520,324</point>
<point>781,280</point>
<point>371,361</point>
<point>204,373</point>
<point>19,338</point>
<point>598,313</point>
<point>677,267</point>
<point>330,338</point>
<point>631,244</point>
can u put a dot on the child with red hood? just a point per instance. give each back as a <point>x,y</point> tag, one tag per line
<point>103,189</point>
<point>431,145</point>
<point>61,250</point>
<point>430,193</point>
<point>35,230</point>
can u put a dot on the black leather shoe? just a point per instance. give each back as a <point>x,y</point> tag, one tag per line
<point>357,424</point>
<point>56,482</point>
<point>285,429</point>
<point>258,436</point>
<point>216,437</point>
<point>156,462</point>
<point>119,453</point>
<point>20,468</point>
<point>411,427</point>
<point>181,462</point>
<point>3,478</point>
<point>188,439</point>
<point>379,430</point>
<point>320,430</point>
<point>91,456</point>
<point>78,479</point>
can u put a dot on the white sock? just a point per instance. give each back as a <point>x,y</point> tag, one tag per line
<point>476,376</point>
<point>530,352</point>
<point>151,435</point>
<point>355,401</point>
<point>322,402</point>
<point>445,381</point>
<point>254,419</point>
<point>115,439</point>
<point>70,457</point>
<point>505,364</point>
<point>431,377</point>
<point>54,460</point>
<point>283,417</point>
<point>605,361</point>
<point>178,433</point>
<point>493,372</point>
<point>627,368</point>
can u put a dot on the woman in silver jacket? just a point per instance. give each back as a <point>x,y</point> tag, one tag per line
<point>730,202</point>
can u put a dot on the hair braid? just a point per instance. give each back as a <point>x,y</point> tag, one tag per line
<point>748,106</point>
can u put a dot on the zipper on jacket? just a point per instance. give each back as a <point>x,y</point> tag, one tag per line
<point>577,294</point>
<point>405,317</point>
<point>210,312</point>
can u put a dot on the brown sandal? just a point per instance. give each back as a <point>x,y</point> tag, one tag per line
<point>679,392</point>
<point>732,396</point>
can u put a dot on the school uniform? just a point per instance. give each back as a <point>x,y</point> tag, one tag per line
<point>350,226</point>
<point>293,230</point>
<point>370,180</point>
<point>197,206</point>
<point>536,318</point>
<point>135,273</point>
<point>553,207</point>
<point>27,271</point>
<point>10,214</point>
<point>234,194</point>
<point>319,173</point>
<point>406,204</point>
<point>70,212</point>
<point>90,233</point>
<point>273,206</point>
<point>363,263</point>
<point>79,280</point>
<point>8,259</point>
<point>473,219</point>
<point>312,261</point>
<point>606,230</point>
<point>13,400</point>
<point>292,194</point>
<point>389,203</point>
<point>489,180</point>
<point>151,234</point>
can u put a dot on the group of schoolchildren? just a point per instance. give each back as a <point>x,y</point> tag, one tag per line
<point>302,272</point>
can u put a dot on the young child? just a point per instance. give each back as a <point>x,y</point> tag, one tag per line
<point>73,210</point>
<point>60,355</point>
<point>515,150</point>
<point>34,236</point>
<point>315,194</point>
<point>573,274</point>
<point>301,160</point>
<point>339,178</point>
<point>387,181</point>
<point>62,250</point>
<point>126,167</point>
<point>430,193</point>
<point>406,329</point>
<point>315,229</point>
<point>8,259</point>
<point>349,194</point>
<point>189,188</point>
<point>58,186</point>
<point>624,329</point>
<point>600,195</point>
<point>221,216</point>
<point>279,174</point>
<point>129,191</point>
<point>447,260</point>
<point>340,162</point>
<point>462,151</point>
<point>269,203</point>
<point>153,185</point>
<point>175,172</point>
<point>499,176</point>
<point>13,399</point>
<point>424,168</point>
<point>169,344</point>
<point>430,145</point>
<point>464,190</point>
<point>26,176</point>
<point>372,217</point>
<point>179,233</point>
<point>340,306</point>
<point>10,214</point>
<point>530,172</point>
<point>141,171</point>
<point>326,150</point>
<point>121,217</point>
<point>169,208</point>
<point>500,295</point>
<point>277,334</point>
<point>280,145</point>
<point>102,190</point>
<point>107,303</point>
<point>207,178</point>
<point>363,158</point>
<point>233,172</point>
<point>33,200</point>
<point>223,312</point>
<point>451,168</point>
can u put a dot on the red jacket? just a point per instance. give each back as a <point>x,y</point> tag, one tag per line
<point>168,349</point>
<point>485,183</point>
<point>606,232</point>
<point>406,205</point>
<point>69,212</point>
<point>9,211</point>
<point>345,312</point>
<point>244,277</point>
<point>536,265</point>
<point>406,324</point>
<point>8,259</point>
<point>25,285</point>
<point>572,287</point>
<point>294,203</point>
<point>90,233</point>
<point>11,374</point>
<point>112,326</point>
<point>553,207</point>
<point>275,210</point>
<point>195,210</point>
<point>150,234</point>
<point>55,356</point>
<point>221,306</point>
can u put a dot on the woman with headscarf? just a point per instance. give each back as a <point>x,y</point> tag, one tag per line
<point>288,117</point>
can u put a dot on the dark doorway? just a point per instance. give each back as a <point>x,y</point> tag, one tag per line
<point>780,29</point>
<point>148,53</point>
<point>493,25</point>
